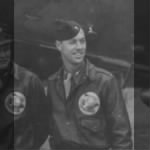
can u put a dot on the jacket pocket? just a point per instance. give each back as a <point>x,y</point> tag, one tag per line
<point>91,124</point>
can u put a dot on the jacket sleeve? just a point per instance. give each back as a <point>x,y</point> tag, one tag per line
<point>39,112</point>
<point>31,128</point>
<point>117,117</point>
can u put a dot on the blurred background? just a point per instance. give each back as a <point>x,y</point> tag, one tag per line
<point>117,38</point>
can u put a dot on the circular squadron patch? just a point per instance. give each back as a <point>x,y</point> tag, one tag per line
<point>15,103</point>
<point>89,103</point>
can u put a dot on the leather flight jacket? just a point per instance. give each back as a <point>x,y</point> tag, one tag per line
<point>23,111</point>
<point>93,116</point>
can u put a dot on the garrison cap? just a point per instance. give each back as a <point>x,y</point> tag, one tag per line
<point>65,29</point>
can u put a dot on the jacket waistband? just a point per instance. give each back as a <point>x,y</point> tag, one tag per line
<point>67,145</point>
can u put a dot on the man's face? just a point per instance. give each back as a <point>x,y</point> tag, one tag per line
<point>4,56</point>
<point>73,50</point>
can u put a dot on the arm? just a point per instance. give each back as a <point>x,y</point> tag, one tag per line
<point>39,112</point>
<point>117,117</point>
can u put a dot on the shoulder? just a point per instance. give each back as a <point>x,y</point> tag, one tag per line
<point>22,73</point>
<point>103,72</point>
<point>55,75</point>
<point>95,72</point>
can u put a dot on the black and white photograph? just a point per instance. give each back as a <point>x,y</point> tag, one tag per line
<point>74,75</point>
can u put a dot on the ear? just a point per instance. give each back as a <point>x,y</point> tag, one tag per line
<point>58,45</point>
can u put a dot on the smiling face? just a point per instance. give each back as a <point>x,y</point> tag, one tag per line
<point>73,50</point>
<point>5,55</point>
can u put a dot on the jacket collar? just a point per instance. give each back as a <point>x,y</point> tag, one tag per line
<point>16,71</point>
<point>82,74</point>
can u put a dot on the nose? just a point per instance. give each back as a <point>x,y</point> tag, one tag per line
<point>79,45</point>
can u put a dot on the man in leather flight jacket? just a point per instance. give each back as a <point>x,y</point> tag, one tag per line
<point>23,112</point>
<point>93,115</point>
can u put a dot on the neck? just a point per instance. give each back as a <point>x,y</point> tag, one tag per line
<point>72,68</point>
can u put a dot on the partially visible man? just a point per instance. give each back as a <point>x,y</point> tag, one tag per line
<point>23,112</point>
<point>145,97</point>
<point>88,111</point>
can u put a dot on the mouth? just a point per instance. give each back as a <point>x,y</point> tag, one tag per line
<point>79,54</point>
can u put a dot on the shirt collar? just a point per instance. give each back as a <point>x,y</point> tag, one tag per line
<point>84,69</point>
<point>80,74</point>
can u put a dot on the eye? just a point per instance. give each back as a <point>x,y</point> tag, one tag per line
<point>73,41</point>
<point>82,41</point>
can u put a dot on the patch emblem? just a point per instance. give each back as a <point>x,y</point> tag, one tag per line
<point>15,103</point>
<point>89,103</point>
